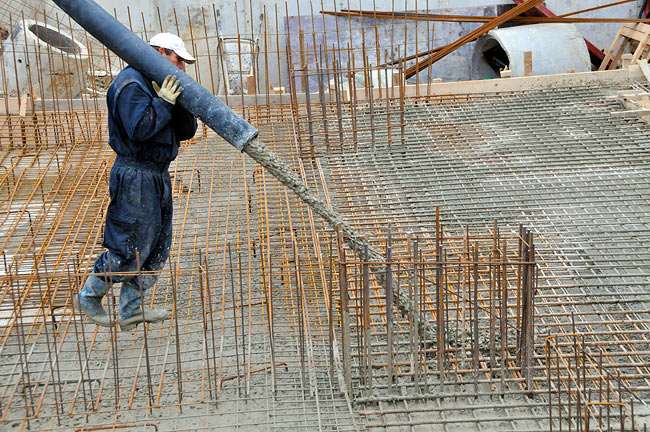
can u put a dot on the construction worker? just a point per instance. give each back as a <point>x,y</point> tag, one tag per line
<point>145,127</point>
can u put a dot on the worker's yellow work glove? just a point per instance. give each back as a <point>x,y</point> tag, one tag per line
<point>170,89</point>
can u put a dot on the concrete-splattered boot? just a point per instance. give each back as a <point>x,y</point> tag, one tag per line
<point>131,312</point>
<point>89,301</point>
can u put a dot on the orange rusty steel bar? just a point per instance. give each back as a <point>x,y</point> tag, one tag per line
<point>591,9</point>
<point>607,404</point>
<point>473,35</point>
<point>418,16</point>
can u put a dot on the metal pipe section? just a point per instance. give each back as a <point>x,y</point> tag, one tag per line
<point>137,53</point>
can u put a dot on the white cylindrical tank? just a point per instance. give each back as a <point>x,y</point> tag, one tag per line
<point>43,58</point>
<point>555,47</point>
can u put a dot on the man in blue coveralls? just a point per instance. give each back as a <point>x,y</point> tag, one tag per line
<point>145,127</point>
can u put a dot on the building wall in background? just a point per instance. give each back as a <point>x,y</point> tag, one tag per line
<point>248,18</point>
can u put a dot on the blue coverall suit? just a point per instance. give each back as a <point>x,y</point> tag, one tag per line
<point>145,131</point>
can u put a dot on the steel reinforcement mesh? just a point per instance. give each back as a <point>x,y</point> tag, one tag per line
<point>250,271</point>
<point>247,346</point>
<point>555,161</point>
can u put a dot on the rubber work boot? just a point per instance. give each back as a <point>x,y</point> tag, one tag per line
<point>89,301</point>
<point>131,313</point>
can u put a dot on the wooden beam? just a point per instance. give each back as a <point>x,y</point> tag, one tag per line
<point>23,105</point>
<point>622,77</point>
<point>528,63</point>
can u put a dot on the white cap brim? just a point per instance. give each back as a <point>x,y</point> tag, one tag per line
<point>187,58</point>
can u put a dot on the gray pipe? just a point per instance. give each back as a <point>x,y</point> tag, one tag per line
<point>137,53</point>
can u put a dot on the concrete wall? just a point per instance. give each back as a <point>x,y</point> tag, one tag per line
<point>248,18</point>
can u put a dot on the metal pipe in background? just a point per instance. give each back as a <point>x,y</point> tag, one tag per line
<point>137,53</point>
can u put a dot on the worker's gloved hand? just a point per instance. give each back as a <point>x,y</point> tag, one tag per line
<point>170,89</point>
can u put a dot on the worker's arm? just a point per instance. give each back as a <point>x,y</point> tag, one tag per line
<point>183,122</point>
<point>142,115</point>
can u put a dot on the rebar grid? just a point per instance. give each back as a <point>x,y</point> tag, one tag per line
<point>282,236</point>
<point>242,253</point>
<point>476,288</point>
<point>554,160</point>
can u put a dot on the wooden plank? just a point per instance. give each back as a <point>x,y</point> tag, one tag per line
<point>23,105</point>
<point>619,54</point>
<point>630,104</point>
<point>627,60</point>
<point>619,77</point>
<point>634,32</point>
<point>643,64</point>
<point>642,27</point>
<point>611,77</point>
<point>608,57</point>
<point>528,63</point>
<point>251,84</point>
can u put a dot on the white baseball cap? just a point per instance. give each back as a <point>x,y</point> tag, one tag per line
<point>174,43</point>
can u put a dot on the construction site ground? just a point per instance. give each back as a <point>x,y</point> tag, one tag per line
<point>249,346</point>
